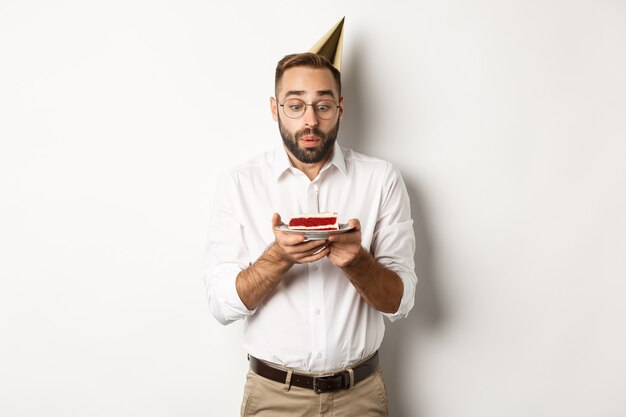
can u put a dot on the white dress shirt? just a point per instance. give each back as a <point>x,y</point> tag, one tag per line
<point>314,320</point>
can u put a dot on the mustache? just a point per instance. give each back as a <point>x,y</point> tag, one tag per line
<point>314,131</point>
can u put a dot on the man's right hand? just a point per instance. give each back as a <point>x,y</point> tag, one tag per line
<point>293,248</point>
<point>257,281</point>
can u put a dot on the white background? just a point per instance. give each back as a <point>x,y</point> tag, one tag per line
<point>506,119</point>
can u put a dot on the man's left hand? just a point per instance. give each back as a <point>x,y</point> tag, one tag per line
<point>344,247</point>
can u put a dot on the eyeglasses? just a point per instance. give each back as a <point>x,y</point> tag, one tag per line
<point>295,108</point>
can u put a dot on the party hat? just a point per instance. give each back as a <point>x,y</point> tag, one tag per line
<point>331,45</point>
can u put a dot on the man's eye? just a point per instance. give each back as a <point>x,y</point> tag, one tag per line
<point>295,107</point>
<point>324,106</point>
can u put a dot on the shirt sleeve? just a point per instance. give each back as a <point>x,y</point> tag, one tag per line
<point>226,256</point>
<point>393,245</point>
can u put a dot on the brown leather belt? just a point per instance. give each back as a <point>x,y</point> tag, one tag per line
<point>319,384</point>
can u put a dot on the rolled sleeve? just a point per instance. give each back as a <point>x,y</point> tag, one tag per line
<point>397,243</point>
<point>394,240</point>
<point>226,256</point>
<point>224,301</point>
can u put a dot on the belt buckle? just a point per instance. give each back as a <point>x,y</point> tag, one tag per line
<point>318,389</point>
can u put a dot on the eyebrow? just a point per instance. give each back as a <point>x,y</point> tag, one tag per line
<point>319,93</point>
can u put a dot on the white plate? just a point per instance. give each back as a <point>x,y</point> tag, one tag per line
<point>316,234</point>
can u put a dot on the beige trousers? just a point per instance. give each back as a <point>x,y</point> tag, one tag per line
<point>266,398</point>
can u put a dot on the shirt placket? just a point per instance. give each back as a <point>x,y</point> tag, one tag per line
<point>316,285</point>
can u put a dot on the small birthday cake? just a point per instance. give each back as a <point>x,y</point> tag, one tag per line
<point>317,221</point>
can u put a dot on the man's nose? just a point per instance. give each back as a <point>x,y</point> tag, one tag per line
<point>310,117</point>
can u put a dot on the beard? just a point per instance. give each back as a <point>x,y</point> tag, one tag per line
<point>309,155</point>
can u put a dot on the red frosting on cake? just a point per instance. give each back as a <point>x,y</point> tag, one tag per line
<point>312,221</point>
<point>321,221</point>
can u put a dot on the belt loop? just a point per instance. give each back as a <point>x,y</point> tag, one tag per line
<point>351,372</point>
<point>288,380</point>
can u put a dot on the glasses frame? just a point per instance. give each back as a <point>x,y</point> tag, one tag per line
<point>306,106</point>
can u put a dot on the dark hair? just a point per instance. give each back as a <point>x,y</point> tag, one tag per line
<point>306,59</point>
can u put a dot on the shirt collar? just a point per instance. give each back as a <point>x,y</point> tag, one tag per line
<point>281,162</point>
<point>337,159</point>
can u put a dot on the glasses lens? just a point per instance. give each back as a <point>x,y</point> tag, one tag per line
<point>295,108</point>
<point>325,109</point>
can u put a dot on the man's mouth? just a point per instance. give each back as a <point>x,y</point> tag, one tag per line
<point>309,140</point>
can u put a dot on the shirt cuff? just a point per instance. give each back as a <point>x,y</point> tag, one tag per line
<point>409,280</point>
<point>224,302</point>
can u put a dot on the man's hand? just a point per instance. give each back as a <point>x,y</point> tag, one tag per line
<point>292,248</point>
<point>379,287</point>
<point>345,247</point>
<point>257,281</point>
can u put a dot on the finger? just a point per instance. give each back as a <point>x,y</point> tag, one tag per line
<point>299,250</point>
<point>276,221</point>
<point>320,249</point>
<point>307,247</point>
<point>315,257</point>
<point>341,257</point>
<point>344,250</point>
<point>285,239</point>
<point>339,251</point>
<point>349,237</point>
<point>355,223</point>
<point>313,244</point>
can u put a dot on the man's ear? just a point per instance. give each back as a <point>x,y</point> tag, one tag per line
<point>340,107</point>
<point>274,108</point>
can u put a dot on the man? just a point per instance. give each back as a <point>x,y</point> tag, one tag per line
<point>313,310</point>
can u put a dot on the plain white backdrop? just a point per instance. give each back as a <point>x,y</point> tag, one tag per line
<point>506,119</point>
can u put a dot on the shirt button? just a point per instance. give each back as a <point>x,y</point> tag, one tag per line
<point>314,267</point>
<point>317,311</point>
<point>319,356</point>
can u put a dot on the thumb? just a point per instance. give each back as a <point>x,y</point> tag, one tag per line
<point>276,221</point>
<point>355,223</point>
